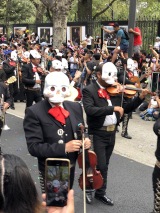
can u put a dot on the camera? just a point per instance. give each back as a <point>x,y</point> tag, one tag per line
<point>57,181</point>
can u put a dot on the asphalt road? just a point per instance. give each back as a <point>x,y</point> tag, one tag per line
<point>129,182</point>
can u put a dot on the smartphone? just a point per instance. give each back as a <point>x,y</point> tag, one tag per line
<point>57,181</point>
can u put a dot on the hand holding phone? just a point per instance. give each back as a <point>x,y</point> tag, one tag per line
<point>68,208</point>
<point>57,181</point>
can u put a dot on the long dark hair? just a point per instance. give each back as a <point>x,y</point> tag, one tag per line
<point>19,191</point>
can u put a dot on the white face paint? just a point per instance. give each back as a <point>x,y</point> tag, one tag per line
<point>109,73</point>
<point>56,87</point>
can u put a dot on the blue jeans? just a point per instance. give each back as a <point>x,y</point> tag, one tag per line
<point>72,72</point>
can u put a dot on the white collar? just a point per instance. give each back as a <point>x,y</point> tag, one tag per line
<point>100,85</point>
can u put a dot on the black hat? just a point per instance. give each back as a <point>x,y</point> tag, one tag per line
<point>156,127</point>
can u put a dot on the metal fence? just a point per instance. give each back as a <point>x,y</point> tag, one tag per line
<point>150,28</point>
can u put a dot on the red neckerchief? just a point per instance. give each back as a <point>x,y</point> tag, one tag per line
<point>59,113</point>
<point>34,69</point>
<point>102,93</point>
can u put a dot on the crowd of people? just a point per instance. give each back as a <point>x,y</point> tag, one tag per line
<point>62,82</point>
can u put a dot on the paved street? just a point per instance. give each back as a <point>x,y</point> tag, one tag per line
<point>130,170</point>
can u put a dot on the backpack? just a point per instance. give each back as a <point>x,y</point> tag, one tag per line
<point>126,34</point>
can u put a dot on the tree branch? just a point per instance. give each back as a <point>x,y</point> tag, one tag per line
<point>49,14</point>
<point>104,10</point>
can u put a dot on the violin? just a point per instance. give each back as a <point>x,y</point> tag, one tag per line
<point>128,90</point>
<point>93,177</point>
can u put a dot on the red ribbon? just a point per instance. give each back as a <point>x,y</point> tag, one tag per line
<point>102,93</point>
<point>59,113</point>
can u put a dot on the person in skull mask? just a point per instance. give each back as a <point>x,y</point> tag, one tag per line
<point>103,115</point>
<point>52,125</point>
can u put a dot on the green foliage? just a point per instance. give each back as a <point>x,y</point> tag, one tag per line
<point>25,11</point>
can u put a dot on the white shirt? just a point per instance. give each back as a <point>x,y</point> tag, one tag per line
<point>89,40</point>
<point>36,77</point>
<point>109,119</point>
<point>64,63</point>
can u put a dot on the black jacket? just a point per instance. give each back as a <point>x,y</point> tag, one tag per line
<point>8,69</point>
<point>41,131</point>
<point>28,76</point>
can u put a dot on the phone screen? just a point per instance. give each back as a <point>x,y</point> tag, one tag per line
<point>57,181</point>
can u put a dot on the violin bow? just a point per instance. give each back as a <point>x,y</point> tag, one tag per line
<point>124,77</point>
<point>84,168</point>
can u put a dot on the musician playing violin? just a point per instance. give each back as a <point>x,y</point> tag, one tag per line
<point>31,78</point>
<point>104,113</point>
<point>52,125</point>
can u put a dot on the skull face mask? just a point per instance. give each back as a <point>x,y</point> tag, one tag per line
<point>109,73</point>
<point>56,87</point>
<point>130,65</point>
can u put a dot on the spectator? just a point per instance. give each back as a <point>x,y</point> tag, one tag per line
<point>122,41</point>
<point>137,39</point>
<point>15,196</point>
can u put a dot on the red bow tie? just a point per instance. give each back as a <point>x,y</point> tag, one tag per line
<point>34,69</point>
<point>102,93</point>
<point>59,113</point>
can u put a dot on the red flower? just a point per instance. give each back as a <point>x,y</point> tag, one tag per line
<point>102,93</point>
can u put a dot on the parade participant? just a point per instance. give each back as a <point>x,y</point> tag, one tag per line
<point>122,44</point>
<point>156,171</point>
<point>102,118</point>
<point>51,126</point>
<point>9,67</point>
<point>5,102</point>
<point>31,74</point>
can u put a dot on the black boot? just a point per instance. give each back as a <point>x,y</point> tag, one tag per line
<point>125,127</point>
<point>156,189</point>
<point>89,196</point>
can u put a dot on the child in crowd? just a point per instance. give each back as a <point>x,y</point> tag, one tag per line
<point>152,112</point>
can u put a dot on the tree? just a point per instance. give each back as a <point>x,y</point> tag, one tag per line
<point>39,10</point>
<point>84,9</point>
<point>59,10</point>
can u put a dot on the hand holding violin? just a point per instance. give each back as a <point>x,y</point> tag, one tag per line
<point>87,143</point>
<point>73,146</point>
<point>40,70</point>
<point>119,109</point>
<point>143,93</point>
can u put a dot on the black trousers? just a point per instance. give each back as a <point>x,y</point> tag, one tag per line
<point>13,90</point>
<point>156,188</point>
<point>103,144</point>
<point>32,96</point>
<point>1,126</point>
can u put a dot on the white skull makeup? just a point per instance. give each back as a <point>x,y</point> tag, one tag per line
<point>130,65</point>
<point>109,73</point>
<point>56,87</point>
